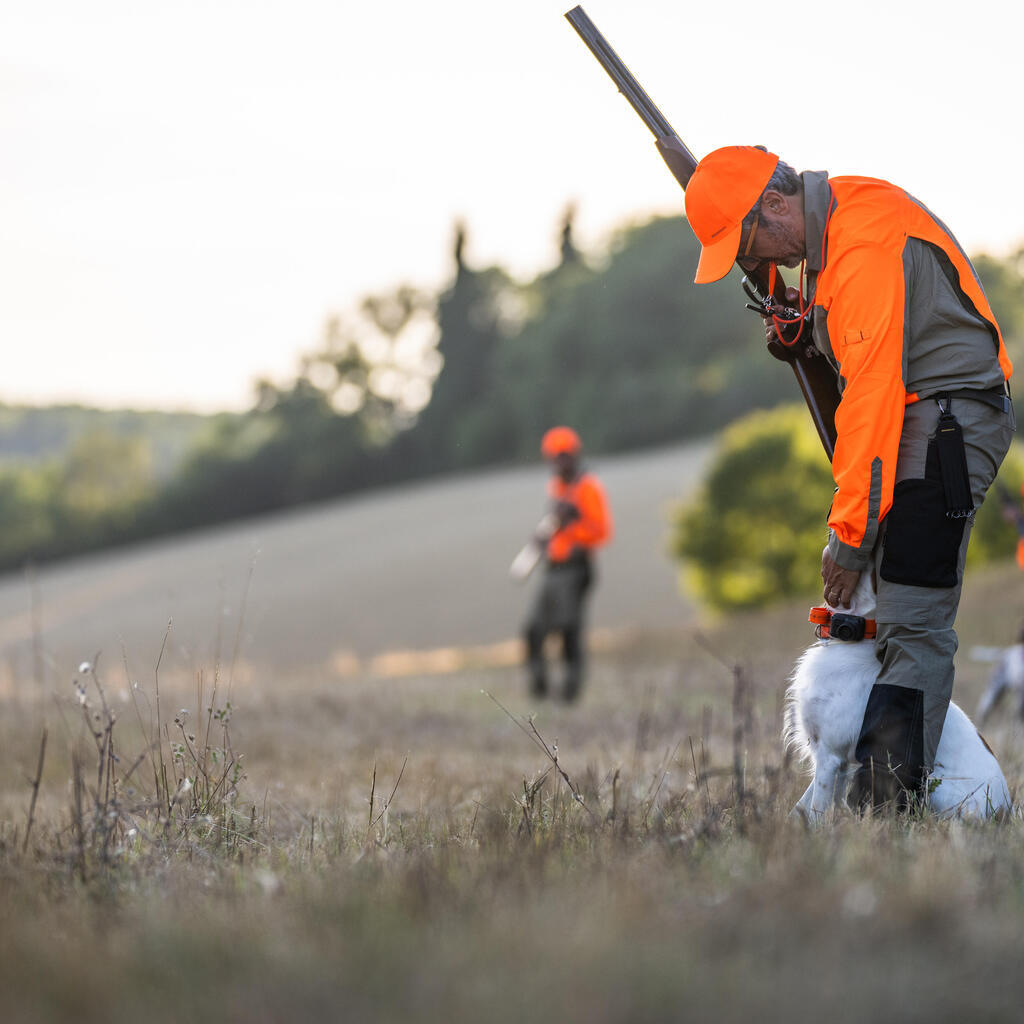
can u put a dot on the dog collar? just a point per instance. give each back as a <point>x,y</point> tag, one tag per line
<point>821,617</point>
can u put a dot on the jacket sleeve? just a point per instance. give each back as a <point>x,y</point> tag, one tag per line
<point>593,527</point>
<point>866,331</point>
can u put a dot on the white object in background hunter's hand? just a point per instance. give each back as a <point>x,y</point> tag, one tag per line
<point>533,550</point>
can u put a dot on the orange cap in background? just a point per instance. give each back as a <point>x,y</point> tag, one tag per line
<point>559,441</point>
<point>722,191</point>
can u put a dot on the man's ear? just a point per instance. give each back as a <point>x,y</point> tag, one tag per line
<point>776,202</point>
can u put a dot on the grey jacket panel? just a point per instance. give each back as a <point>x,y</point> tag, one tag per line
<point>947,344</point>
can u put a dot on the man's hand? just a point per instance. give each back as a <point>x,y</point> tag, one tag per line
<point>792,298</point>
<point>806,343</point>
<point>839,583</point>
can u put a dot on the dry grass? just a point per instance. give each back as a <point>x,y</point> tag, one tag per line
<point>401,848</point>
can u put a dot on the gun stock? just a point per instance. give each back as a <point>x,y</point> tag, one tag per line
<point>815,377</point>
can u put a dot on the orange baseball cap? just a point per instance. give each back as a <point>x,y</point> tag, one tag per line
<point>722,191</point>
<point>559,441</point>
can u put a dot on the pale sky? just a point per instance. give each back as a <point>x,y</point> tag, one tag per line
<point>188,190</point>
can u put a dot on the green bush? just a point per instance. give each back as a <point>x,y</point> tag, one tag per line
<point>755,532</point>
<point>993,536</point>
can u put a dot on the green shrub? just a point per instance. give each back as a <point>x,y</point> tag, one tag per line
<point>755,532</point>
<point>994,536</point>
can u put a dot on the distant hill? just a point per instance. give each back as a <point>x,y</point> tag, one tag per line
<point>421,567</point>
<point>36,433</point>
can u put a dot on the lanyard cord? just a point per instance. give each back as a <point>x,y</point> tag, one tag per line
<point>778,322</point>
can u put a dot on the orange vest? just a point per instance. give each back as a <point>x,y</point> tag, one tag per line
<point>594,525</point>
<point>861,291</point>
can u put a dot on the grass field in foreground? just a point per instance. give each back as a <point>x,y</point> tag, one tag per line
<point>403,849</point>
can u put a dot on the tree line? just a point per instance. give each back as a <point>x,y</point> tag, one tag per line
<point>617,343</point>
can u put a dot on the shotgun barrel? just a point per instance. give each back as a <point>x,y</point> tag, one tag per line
<point>620,74</point>
<point>814,375</point>
<point>681,162</point>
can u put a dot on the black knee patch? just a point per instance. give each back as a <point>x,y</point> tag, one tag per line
<point>890,749</point>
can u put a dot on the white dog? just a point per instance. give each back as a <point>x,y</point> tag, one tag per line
<point>825,705</point>
<point>1008,677</point>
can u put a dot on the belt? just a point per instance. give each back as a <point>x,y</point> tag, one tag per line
<point>997,397</point>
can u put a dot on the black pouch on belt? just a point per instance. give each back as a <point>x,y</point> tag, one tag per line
<point>956,482</point>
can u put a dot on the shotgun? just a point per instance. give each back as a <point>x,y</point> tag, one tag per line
<point>533,550</point>
<point>816,378</point>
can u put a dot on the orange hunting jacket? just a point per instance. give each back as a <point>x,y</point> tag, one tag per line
<point>594,525</point>
<point>899,311</point>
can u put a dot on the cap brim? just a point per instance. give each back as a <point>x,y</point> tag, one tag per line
<point>716,260</point>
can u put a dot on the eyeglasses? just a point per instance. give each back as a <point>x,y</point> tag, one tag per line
<point>744,259</point>
<point>750,237</point>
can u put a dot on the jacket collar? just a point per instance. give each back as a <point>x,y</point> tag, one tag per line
<point>818,201</point>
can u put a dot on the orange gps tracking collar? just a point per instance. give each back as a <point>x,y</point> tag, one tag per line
<point>830,625</point>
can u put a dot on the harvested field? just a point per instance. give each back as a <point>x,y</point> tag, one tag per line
<point>363,839</point>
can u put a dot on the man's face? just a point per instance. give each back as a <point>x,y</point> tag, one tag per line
<point>564,465</point>
<point>777,235</point>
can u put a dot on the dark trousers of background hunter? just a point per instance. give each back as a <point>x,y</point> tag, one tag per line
<point>558,607</point>
<point>919,565</point>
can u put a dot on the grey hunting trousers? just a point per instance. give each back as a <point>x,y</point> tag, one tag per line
<point>919,564</point>
<point>558,607</point>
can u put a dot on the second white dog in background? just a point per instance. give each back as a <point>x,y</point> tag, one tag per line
<point>825,705</point>
<point>1007,678</point>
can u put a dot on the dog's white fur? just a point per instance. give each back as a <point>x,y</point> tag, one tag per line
<point>825,705</point>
